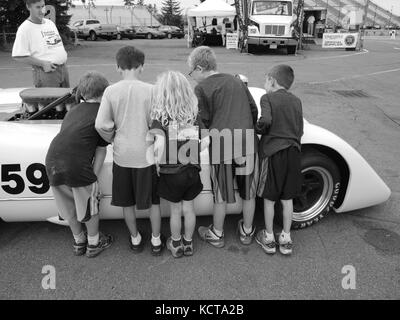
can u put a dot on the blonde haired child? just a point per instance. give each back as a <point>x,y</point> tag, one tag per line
<point>178,131</point>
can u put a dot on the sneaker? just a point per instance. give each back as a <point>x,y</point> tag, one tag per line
<point>187,247</point>
<point>80,248</point>
<point>207,234</point>
<point>176,252</point>
<point>245,238</point>
<point>286,248</point>
<point>137,248</point>
<point>157,250</point>
<point>268,246</point>
<point>105,241</point>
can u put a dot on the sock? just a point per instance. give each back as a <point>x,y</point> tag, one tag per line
<point>217,232</point>
<point>247,230</point>
<point>269,236</point>
<point>136,240</point>
<point>285,237</point>
<point>93,241</point>
<point>186,242</point>
<point>79,238</point>
<point>156,241</point>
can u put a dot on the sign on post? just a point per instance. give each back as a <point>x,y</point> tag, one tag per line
<point>232,41</point>
<point>340,40</point>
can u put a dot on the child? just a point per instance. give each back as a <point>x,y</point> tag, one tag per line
<point>226,107</point>
<point>281,125</point>
<point>124,119</point>
<point>177,128</point>
<point>73,163</point>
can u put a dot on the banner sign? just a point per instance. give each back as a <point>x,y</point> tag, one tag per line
<point>339,40</point>
<point>232,41</point>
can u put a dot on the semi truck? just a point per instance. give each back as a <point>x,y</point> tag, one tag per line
<point>269,23</point>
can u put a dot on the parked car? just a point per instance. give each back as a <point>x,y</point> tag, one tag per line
<point>335,176</point>
<point>93,29</point>
<point>172,32</point>
<point>391,27</point>
<point>125,32</point>
<point>377,27</point>
<point>147,33</point>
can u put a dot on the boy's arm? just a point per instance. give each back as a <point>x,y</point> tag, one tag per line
<point>253,105</point>
<point>266,116</point>
<point>105,125</point>
<point>204,110</point>
<point>99,157</point>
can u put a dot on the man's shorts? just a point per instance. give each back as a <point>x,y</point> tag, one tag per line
<point>185,185</point>
<point>81,203</point>
<point>280,175</point>
<point>245,170</point>
<point>134,187</point>
<point>57,78</point>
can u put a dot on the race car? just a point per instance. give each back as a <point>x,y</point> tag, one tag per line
<point>335,176</point>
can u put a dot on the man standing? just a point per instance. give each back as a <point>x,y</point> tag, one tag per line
<point>39,44</point>
<point>310,25</point>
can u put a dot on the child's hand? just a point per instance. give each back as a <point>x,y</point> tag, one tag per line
<point>158,168</point>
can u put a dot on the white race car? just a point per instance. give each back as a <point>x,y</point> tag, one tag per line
<point>336,176</point>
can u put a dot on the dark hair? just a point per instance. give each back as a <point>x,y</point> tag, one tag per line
<point>29,2</point>
<point>91,85</point>
<point>283,74</point>
<point>129,58</point>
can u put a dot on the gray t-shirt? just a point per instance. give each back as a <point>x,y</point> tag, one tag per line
<point>124,120</point>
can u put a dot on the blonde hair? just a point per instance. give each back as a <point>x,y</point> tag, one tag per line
<point>173,99</point>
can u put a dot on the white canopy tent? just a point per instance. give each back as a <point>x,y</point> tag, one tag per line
<point>209,9</point>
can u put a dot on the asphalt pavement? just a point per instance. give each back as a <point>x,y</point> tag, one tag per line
<point>367,239</point>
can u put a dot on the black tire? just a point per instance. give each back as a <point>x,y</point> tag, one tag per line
<point>92,35</point>
<point>291,49</point>
<point>251,48</point>
<point>169,36</point>
<point>149,36</point>
<point>350,49</point>
<point>320,189</point>
<point>119,36</point>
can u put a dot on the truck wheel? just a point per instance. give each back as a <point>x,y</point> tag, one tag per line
<point>93,36</point>
<point>149,36</point>
<point>319,191</point>
<point>291,49</point>
<point>251,48</point>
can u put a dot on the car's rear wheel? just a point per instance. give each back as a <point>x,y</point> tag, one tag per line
<point>119,36</point>
<point>291,49</point>
<point>319,191</point>
<point>149,36</point>
<point>251,48</point>
<point>93,36</point>
<point>169,36</point>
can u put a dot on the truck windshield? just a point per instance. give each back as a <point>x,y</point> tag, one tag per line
<point>278,8</point>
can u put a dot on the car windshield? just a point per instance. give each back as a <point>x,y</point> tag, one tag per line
<point>278,8</point>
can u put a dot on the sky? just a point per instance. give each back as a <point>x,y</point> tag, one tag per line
<point>386,4</point>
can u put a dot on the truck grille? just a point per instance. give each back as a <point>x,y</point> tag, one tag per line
<point>275,30</point>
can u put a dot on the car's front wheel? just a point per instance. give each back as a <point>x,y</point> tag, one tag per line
<point>169,36</point>
<point>149,36</point>
<point>93,36</point>
<point>319,191</point>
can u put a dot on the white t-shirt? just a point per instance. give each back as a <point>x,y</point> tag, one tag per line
<point>41,41</point>
<point>311,19</point>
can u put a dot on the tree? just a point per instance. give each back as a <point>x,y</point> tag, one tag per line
<point>171,13</point>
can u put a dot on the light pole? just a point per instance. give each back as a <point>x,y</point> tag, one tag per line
<point>363,24</point>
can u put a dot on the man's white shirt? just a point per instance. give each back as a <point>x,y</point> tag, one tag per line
<point>41,41</point>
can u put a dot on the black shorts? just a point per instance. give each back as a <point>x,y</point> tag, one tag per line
<point>185,185</point>
<point>280,175</point>
<point>223,175</point>
<point>134,186</point>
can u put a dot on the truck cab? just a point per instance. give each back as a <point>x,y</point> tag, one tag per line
<point>270,25</point>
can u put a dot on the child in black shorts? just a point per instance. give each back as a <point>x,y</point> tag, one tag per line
<point>281,126</point>
<point>178,131</point>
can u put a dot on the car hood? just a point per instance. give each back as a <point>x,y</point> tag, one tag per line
<point>10,101</point>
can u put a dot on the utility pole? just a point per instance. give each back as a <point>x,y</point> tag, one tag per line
<point>364,20</point>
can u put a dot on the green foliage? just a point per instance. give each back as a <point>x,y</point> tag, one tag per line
<point>171,13</point>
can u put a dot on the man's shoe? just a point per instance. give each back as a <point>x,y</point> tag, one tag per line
<point>157,250</point>
<point>245,238</point>
<point>268,246</point>
<point>105,241</point>
<point>207,234</point>
<point>80,248</point>
<point>187,247</point>
<point>176,252</point>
